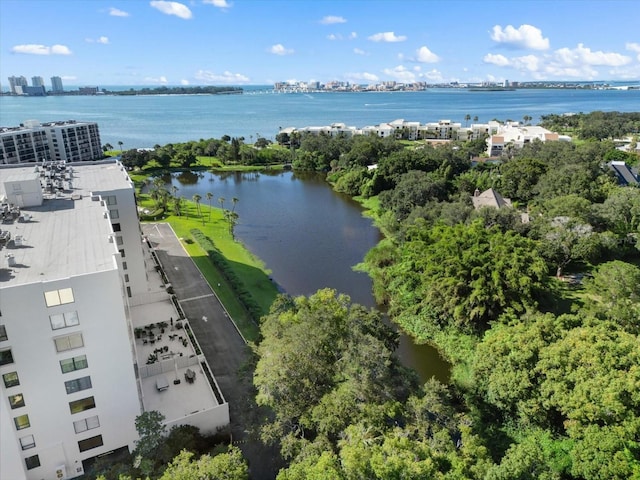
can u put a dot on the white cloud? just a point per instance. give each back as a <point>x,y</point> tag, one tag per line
<point>161,79</point>
<point>525,36</point>
<point>172,8</point>
<point>358,51</point>
<point>401,74</point>
<point>433,75</point>
<point>362,76</point>
<point>579,63</point>
<point>104,40</point>
<point>218,3</point>
<point>69,78</point>
<point>225,77</point>
<point>634,47</point>
<point>115,12</point>
<point>338,36</point>
<point>499,60</point>
<point>424,55</point>
<point>527,62</point>
<point>279,49</point>
<point>184,81</point>
<point>387,37</point>
<point>332,19</point>
<point>582,55</point>
<point>34,49</point>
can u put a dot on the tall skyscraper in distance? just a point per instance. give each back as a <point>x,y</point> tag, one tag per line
<point>37,81</point>
<point>56,85</point>
<point>14,82</point>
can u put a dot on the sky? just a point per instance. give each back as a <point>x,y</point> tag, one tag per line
<point>259,42</point>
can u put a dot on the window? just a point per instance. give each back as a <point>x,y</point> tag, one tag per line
<point>113,213</point>
<point>129,292</point>
<point>116,227</point>
<point>90,443</point>
<point>78,384</point>
<point>63,320</point>
<point>111,200</point>
<point>86,424</point>
<point>27,442</point>
<point>11,379</point>
<point>119,240</point>
<point>3,334</point>
<point>22,422</point>
<point>82,405</point>
<point>58,297</point>
<point>32,462</point>
<point>122,252</point>
<point>6,357</point>
<point>71,364</point>
<point>126,277</point>
<point>69,342</point>
<point>16,401</point>
<point>124,264</point>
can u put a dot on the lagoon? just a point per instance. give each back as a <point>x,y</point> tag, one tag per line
<point>308,235</point>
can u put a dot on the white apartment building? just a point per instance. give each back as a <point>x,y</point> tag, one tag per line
<point>68,141</point>
<point>517,135</point>
<point>76,285</point>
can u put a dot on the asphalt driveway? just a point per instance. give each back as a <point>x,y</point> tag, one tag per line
<point>222,345</point>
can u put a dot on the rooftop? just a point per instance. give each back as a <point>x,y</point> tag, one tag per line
<point>65,236</point>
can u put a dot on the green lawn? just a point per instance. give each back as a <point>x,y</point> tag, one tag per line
<point>251,270</point>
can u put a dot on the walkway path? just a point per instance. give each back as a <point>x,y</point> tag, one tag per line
<point>222,345</point>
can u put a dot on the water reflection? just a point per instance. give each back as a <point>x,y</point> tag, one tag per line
<point>308,235</point>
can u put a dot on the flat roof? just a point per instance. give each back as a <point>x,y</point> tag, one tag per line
<point>67,235</point>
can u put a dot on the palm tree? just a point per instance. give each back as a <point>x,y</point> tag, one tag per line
<point>467,117</point>
<point>221,202</point>
<point>177,205</point>
<point>120,145</point>
<point>209,197</point>
<point>475,119</point>
<point>197,198</point>
<point>232,219</point>
<point>234,200</point>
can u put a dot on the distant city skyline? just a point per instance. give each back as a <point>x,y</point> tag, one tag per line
<point>251,42</point>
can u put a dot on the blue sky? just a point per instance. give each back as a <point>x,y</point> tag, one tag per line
<point>215,42</point>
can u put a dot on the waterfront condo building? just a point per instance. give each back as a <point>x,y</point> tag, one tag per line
<point>78,283</point>
<point>15,82</point>
<point>56,85</point>
<point>68,141</point>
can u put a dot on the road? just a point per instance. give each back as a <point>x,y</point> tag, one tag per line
<point>222,345</point>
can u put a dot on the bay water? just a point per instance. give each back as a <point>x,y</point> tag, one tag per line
<point>144,121</point>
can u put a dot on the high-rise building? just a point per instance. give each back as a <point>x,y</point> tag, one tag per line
<point>15,82</point>
<point>75,371</point>
<point>56,85</point>
<point>37,81</point>
<point>68,141</point>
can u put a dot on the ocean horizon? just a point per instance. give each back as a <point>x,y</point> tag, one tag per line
<point>146,120</point>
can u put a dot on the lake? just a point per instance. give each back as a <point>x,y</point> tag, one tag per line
<point>309,236</point>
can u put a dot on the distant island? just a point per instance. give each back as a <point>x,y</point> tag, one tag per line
<point>207,90</point>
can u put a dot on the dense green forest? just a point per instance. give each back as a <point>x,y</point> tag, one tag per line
<point>535,305</point>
